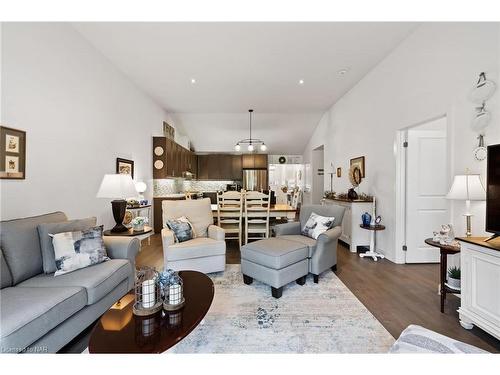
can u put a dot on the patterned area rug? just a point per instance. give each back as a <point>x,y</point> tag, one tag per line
<point>314,318</point>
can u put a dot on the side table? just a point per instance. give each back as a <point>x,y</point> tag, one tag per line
<point>142,235</point>
<point>373,250</point>
<point>444,251</point>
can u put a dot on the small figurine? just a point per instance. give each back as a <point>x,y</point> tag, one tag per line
<point>445,236</point>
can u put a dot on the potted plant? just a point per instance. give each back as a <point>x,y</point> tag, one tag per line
<point>138,223</point>
<point>454,277</point>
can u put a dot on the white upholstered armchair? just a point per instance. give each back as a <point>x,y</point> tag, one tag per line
<point>207,251</point>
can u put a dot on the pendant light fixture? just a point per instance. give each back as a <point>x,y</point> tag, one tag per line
<point>251,143</point>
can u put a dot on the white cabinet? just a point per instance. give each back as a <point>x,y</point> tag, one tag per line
<point>352,234</point>
<point>480,294</point>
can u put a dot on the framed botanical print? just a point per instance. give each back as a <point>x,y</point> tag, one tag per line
<point>125,166</point>
<point>360,163</point>
<point>12,153</point>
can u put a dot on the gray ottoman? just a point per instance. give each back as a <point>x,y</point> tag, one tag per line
<point>276,262</point>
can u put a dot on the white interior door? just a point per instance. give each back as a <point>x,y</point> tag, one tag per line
<point>427,186</point>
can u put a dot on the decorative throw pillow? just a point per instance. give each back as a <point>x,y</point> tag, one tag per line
<point>182,228</point>
<point>317,224</point>
<point>80,249</point>
<point>48,257</point>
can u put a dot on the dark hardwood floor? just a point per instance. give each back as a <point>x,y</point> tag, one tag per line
<point>402,294</point>
<point>396,294</point>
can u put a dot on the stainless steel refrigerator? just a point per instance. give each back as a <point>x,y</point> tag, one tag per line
<point>255,179</point>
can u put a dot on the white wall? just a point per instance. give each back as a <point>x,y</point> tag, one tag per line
<point>426,76</point>
<point>79,113</point>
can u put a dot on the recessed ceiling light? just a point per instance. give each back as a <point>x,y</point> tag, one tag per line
<point>343,72</point>
<point>193,81</point>
<point>301,82</point>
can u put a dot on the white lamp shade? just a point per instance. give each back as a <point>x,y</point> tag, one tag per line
<point>141,187</point>
<point>117,186</point>
<point>467,187</point>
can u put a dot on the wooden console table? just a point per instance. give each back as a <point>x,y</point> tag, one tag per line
<point>444,251</point>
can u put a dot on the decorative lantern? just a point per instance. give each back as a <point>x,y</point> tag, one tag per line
<point>147,292</point>
<point>173,290</point>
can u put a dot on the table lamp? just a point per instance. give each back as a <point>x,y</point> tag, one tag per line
<point>141,188</point>
<point>468,188</point>
<point>117,187</point>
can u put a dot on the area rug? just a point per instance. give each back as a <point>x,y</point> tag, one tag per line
<point>314,318</point>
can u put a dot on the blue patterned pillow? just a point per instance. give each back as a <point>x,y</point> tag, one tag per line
<point>182,228</point>
<point>80,249</point>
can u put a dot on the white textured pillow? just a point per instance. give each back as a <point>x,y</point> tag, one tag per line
<point>317,224</point>
<point>80,249</point>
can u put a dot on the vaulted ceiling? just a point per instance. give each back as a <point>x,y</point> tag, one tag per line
<point>237,66</point>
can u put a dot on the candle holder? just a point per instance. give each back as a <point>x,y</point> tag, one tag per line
<point>173,293</point>
<point>147,292</point>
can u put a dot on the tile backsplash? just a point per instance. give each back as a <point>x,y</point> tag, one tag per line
<point>166,186</point>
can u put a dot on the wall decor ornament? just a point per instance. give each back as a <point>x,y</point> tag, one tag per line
<point>159,151</point>
<point>12,153</point>
<point>482,90</point>
<point>480,93</point>
<point>360,163</point>
<point>339,172</point>
<point>125,166</point>
<point>480,151</point>
<point>355,175</point>
<point>480,120</point>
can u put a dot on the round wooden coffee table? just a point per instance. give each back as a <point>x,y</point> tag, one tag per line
<point>120,331</point>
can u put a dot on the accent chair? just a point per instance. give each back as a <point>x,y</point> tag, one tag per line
<point>206,252</point>
<point>323,251</point>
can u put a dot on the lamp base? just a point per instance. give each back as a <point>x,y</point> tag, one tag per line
<point>468,233</point>
<point>119,206</point>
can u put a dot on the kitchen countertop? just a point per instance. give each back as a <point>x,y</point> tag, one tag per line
<point>348,200</point>
<point>173,195</point>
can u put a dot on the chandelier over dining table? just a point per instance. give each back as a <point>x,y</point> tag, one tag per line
<point>250,143</point>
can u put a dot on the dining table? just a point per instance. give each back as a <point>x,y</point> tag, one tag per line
<point>275,211</point>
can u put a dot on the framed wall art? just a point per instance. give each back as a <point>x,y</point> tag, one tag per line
<point>339,172</point>
<point>125,166</point>
<point>12,153</point>
<point>168,131</point>
<point>360,163</point>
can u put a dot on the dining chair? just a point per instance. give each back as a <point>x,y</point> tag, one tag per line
<point>230,213</point>
<point>257,206</point>
<point>296,198</point>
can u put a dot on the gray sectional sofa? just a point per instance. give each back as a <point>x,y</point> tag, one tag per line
<point>42,313</point>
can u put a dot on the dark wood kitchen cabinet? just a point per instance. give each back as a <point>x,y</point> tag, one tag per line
<point>254,161</point>
<point>236,170</point>
<point>202,173</point>
<point>260,161</point>
<point>171,159</point>
<point>247,161</point>
<point>219,167</point>
<point>225,167</point>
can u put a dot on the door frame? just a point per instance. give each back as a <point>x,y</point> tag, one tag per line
<point>401,156</point>
<point>317,188</point>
